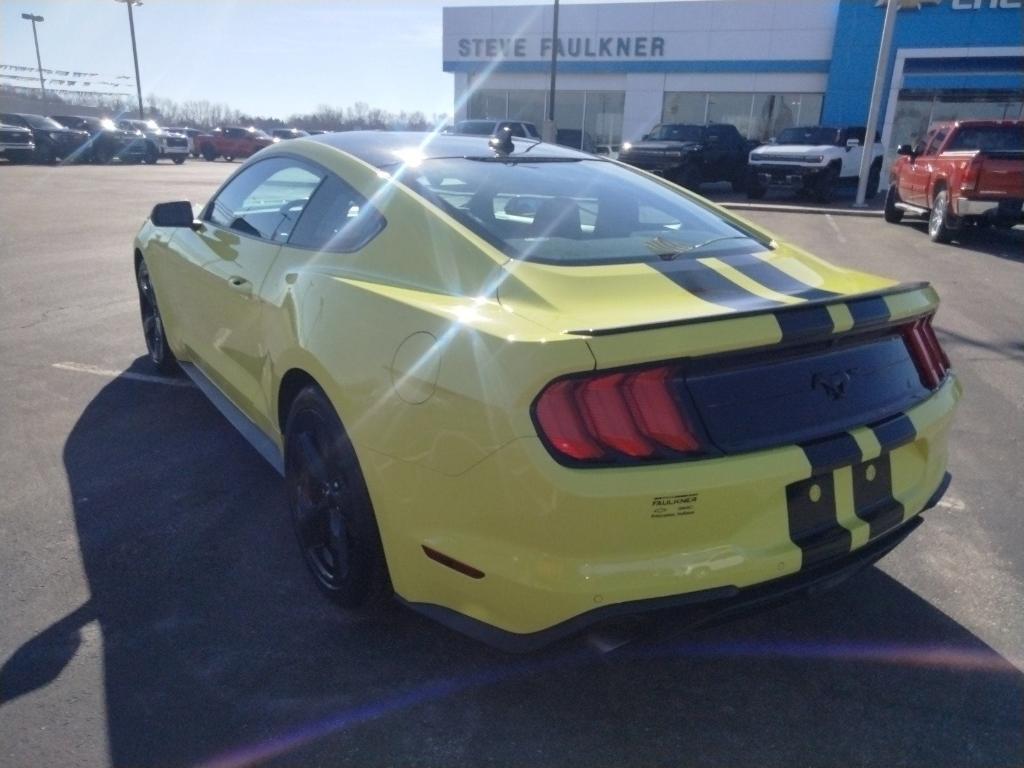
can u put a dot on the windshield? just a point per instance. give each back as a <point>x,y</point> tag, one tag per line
<point>475,127</point>
<point>676,133</point>
<point>38,121</point>
<point>813,135</point>
<point>989,138</point>
<point>574,212</point>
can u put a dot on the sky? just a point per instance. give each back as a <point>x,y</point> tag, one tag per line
<point>267,57</point>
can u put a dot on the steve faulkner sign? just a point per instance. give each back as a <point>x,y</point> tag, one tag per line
<point>587,47</point>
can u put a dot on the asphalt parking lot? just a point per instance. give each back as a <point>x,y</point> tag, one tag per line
<point>155,610</point>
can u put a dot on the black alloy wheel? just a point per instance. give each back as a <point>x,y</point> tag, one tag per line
<point>152,323</point>
<point>330,506</point>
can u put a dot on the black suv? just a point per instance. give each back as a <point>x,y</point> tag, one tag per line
<point>692,154</point>
<point>106,140</point>
<point>53,141</point>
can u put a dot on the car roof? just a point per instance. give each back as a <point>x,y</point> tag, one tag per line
<point>386,148</point>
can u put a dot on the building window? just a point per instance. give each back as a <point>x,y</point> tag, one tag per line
<point>756,115</point>
<point>595,115</point>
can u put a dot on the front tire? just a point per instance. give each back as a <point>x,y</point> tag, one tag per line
<point>330,506</point>
<point>892,214</point>
<point>160,353</point>
<point>825,186</point>
<point>690,177</point>
<point>209,153</point>
<point>152,155</point>
<point>940,220</point>
<point>178,160</point>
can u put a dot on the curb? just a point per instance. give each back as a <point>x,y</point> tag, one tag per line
<point>801,209</point>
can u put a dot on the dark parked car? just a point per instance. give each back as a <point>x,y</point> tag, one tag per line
<point>518,128</point>
<point>16,144</point>
<point>288,133</point>
<point>53,141</point>
<point>577,139</point>
<point>106,141</point>
<point>692,154</point>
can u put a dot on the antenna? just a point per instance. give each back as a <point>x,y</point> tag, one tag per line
<point>502,143</point>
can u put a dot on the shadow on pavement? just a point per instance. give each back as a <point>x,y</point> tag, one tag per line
<point>218,650</point>
<point>1002,243</point>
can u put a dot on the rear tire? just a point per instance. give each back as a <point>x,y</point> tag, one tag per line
<point>179,160</point>
<point>940,220</point>
<point>209,153</point>
<point>892,214</point>
<point>160,353</point>
<point>330,506</point>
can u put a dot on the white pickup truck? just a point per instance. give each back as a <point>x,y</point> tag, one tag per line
<point>812,160</point>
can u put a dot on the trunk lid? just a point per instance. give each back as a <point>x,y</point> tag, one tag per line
<point>638,312</point>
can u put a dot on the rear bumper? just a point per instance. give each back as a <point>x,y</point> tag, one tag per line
<point>693,608</point>
<point>561,548</point>
<point>1010,209</point>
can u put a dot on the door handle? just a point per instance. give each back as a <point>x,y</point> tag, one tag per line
<point>240,284</point>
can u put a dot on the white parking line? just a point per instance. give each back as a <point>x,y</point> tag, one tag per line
<point>835,228</point>
<point>97,371</point>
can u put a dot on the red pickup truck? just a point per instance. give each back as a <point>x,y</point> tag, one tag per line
<point>231,142</point>
<point>960,173</point>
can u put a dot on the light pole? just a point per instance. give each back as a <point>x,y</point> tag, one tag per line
<point>550,122</point>
<point>891,9</point>
<point>39,62</point>
<point>135,52</point>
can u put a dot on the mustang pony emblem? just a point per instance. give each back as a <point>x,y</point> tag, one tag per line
<point>834,384</point>
<point>912,4</point>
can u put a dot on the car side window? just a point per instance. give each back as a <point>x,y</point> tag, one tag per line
<point>935,143</point>
<point>266,199</point>
<point>337,219</point>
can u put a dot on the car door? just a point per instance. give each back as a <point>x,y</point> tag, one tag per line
<point>226,260</point>
<point>919,169</point>
<point>851,155</point>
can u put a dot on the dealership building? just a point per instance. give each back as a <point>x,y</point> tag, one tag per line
<point>761,65</point>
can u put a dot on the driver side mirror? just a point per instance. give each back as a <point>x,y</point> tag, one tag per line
<point>176,214</point>
<point>646,137</point>
<point>905,149</point>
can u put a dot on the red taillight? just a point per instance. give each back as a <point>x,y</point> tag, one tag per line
<point>562,423</point>
<point>969,181</point>
<point>928,356</point>
<point>632,415</point>
<point>655,411</point>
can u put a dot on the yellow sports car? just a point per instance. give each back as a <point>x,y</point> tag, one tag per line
<point>524,389</point>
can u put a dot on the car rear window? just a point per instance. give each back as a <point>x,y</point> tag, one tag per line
<point>992,138</point>
<point>574,212</point>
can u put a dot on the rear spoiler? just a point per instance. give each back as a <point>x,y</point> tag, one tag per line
<point>782,313</point>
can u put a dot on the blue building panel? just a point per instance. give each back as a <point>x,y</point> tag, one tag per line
<point>945,24</point>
